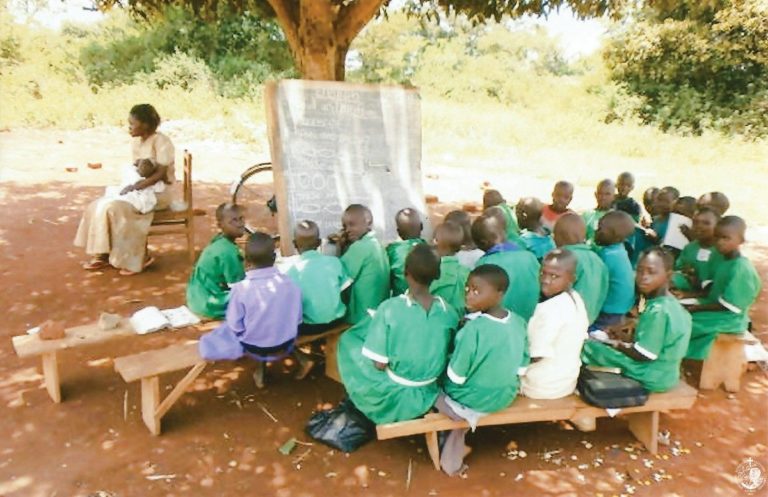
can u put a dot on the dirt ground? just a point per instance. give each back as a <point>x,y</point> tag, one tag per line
<point>218,440</point>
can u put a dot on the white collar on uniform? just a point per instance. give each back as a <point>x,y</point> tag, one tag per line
<point>477,314</point>
<point>409,300</point>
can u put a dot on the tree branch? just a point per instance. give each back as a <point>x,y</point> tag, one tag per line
<point>353,17</point>
<point>288,19</point>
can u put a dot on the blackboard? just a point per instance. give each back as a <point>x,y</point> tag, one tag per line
<point>335,144</point>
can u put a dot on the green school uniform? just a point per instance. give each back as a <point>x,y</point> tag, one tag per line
<point>366,263</point>
<point>592,279</point>
<point>413,342</point>
<point>482,372</point>
<point>321,279</point>
<point>523,271</point>
<point>452,282</point>
<point>513,230</point>
<point>662,334</point>
<point>736,286</point>
<point>537,244</point>
<point>220,265</point>
<point>396,253</point>
<point>591,218</point>
<point>703,261</point>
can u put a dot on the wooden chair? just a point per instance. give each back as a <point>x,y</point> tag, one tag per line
<point>170,222</point>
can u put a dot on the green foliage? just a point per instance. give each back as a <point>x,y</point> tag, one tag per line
<point>236,48</point>
<point>693,75</point>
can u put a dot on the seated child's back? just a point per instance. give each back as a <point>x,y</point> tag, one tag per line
<point>451,284</point>
<point>409,228</point>
<point>469,253</point>
<point>612,230</point>
<point>219,266</point>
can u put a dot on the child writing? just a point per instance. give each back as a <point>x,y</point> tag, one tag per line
<point>389,363</point>
<point>625,183</point>
<point>409,228</point>
<point>533,236</point>
<point>612,230</point>
<point>591,274</point>
<point>696,265</point>
<point>321,279</point>
<point>661,334</point>
<point>365,261</point>
<point>605,194</point>
<point>556,331</point>
<point>492,198</point>
<point>521,266</point>
<point>482,373</point>
<point>469,253</point>
<point>562,195</point>
<point>734,289</point>
<point>449,238</point>
<point>219,266</point>
<point>263,314</point>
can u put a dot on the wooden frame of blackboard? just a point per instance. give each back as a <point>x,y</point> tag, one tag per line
<point>276,149</point>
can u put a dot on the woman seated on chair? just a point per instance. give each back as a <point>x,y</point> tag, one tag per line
<point>114,232</point>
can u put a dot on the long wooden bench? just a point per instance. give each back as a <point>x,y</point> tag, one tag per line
<point>726,362</point>
<point>76,337</point>
<point>643,420</point>
<point>148,366</point>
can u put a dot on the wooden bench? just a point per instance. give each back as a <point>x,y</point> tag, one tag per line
<point>726,362</point>
<point>78,336</point>
<point>148,366</point>
<point>643,420</point>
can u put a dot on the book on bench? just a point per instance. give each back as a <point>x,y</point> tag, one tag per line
<point>151,319</point>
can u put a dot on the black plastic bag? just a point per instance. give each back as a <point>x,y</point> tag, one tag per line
<point>610,390</point>
<point>344,427</point>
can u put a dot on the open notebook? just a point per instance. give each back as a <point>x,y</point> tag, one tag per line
<point>151,319</point>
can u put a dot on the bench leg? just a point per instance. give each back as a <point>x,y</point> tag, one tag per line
<point>51,376</point>
<point>645,427</point>
<point>150,399</point>
<point>433,448</point>
<point>331,364</point>
<point>585,424</point>
<point>725,364</point>
<point>191,239</point>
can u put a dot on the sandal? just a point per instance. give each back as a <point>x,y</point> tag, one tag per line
<point>147,262</point>
<point>95,263</point>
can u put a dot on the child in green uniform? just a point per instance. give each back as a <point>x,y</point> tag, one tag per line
<point>533,235</point>
<point>725,309</point>
<point>488,352</point>
<point>365,261</point>
<point>492,198</point>
<point>521,266</point>
<point>605,194</point>
<point>449,238</point>
<point>612,230</point>
<point>321,279</point>
<point>661,335</point>
<point>592,277</point>
<point>409,228</point>
<point>389,364</point>
<point>219,267</point>
<point>696,265</point>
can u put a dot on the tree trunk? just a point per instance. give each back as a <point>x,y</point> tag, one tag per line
<point>320,32</point>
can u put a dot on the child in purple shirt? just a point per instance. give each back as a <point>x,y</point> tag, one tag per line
<point>263,313</point>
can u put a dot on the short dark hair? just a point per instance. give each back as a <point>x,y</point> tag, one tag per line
<point>360,209</point>
<point>733,222</point>
<point>562,256</point>
<point>423,264</point>
<point>260,249</point>
<point>146,114</point>
<point>666,256</point>
<point>224,207</point>
<point>454,234</point>
<point>493,274</point>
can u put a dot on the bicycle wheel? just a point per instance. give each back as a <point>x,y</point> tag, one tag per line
<point>254,192</point>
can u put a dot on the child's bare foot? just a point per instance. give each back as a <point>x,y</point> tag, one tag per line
<point>305,366</point>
